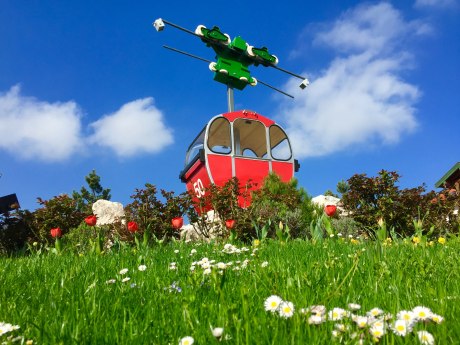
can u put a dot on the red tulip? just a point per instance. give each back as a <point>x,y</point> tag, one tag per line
<point>56,232</point>
<point>133,227</point>
<point>177,222</point>
<point>230,223</point>
<point>330,210</point>
<point>91,220</point>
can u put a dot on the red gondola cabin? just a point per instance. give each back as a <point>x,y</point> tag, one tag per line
<point>240,144</point>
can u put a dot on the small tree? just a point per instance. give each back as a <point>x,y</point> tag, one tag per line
<point>86,198</point>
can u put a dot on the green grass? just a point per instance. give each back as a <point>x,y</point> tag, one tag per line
<point>64,299</point>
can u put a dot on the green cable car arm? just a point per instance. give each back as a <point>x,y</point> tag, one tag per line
<point>234,57</point>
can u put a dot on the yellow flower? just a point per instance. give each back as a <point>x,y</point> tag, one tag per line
<point>380,222</point>
<point>354,241</point>
<point>430,244</point>
<point>416,240</point>
<point>256,243</point>
<point>441,240</point>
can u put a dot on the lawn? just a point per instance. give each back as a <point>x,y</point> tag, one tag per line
<point>163,294</point>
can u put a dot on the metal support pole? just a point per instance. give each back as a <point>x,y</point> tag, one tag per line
<point>230,99</point>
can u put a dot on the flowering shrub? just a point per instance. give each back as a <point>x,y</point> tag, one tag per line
<point>154,215</point>
<point>58,212</point>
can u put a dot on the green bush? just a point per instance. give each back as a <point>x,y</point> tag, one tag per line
<point>60,211</point>
<point>14,231</point>
<point>275,203</point>
<point>372,198</point>
<point>154,215</point>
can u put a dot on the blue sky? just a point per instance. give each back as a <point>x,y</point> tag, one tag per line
<point>87,85</point>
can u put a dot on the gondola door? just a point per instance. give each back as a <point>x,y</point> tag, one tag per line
<point>251,160</point>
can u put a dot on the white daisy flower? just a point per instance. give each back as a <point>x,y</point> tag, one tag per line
<point>437,318</point>
<point>7,327</point>
<point>123,271</point>
<point>142,268</point>
<point>124,280</point>
<point>406,315</point>
<point>337,314</point>
<point>205,265</point>
<point>176,251</point>
<point>361,321</point>
<point>272,303</point>
<point>422,313</point>
<point>110,281</point>
<point>316,319</point>
<point>193,251</point>
<point>186,341</point>
<point>341,327</point>
<point>221,265</point>
<point>401,328</point>
<point>264,264</point>
<point>377,331</point>
<point>286,309</point>
<point>318,309</point>
<point>217,332</point>
<point>207,271</point>
<point>425,337</point>
<point>354,306</point>
<point>375,312</point>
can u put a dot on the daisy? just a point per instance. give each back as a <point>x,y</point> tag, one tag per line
<point>7,327</point>
<point>400,328</point>
<point>186,341</point>
<point>316,319</point>
<point>377,331</point>
<point>354,306</point>
<point>193,251</point>
<point>422,313</point>
<point>123,271</point>
<point>437,318</point>
<point>337,314</point>
<point>425,337</point>
<point>406,315</point>
<point>142,268</point>
<point>221,265</point>
<point>286,309</point>
<point>110,281</point>
<point>361,321</point>
<point>176,251</point>
<point>217,332</point>
<point>124,280</point>
<point>272,303</point>
<point>318,309</point>
<point>264,264</point>
<point>375,312</point>
<point>207,271</point>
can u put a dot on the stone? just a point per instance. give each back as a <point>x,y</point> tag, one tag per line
<point>108,212</point>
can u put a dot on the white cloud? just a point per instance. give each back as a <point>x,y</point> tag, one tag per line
<point>434,3</point>
<point>375,29</point>
<point>33,129</point>
<point>360,99</point>
<point>37,130</point>
<point>137,127</point>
